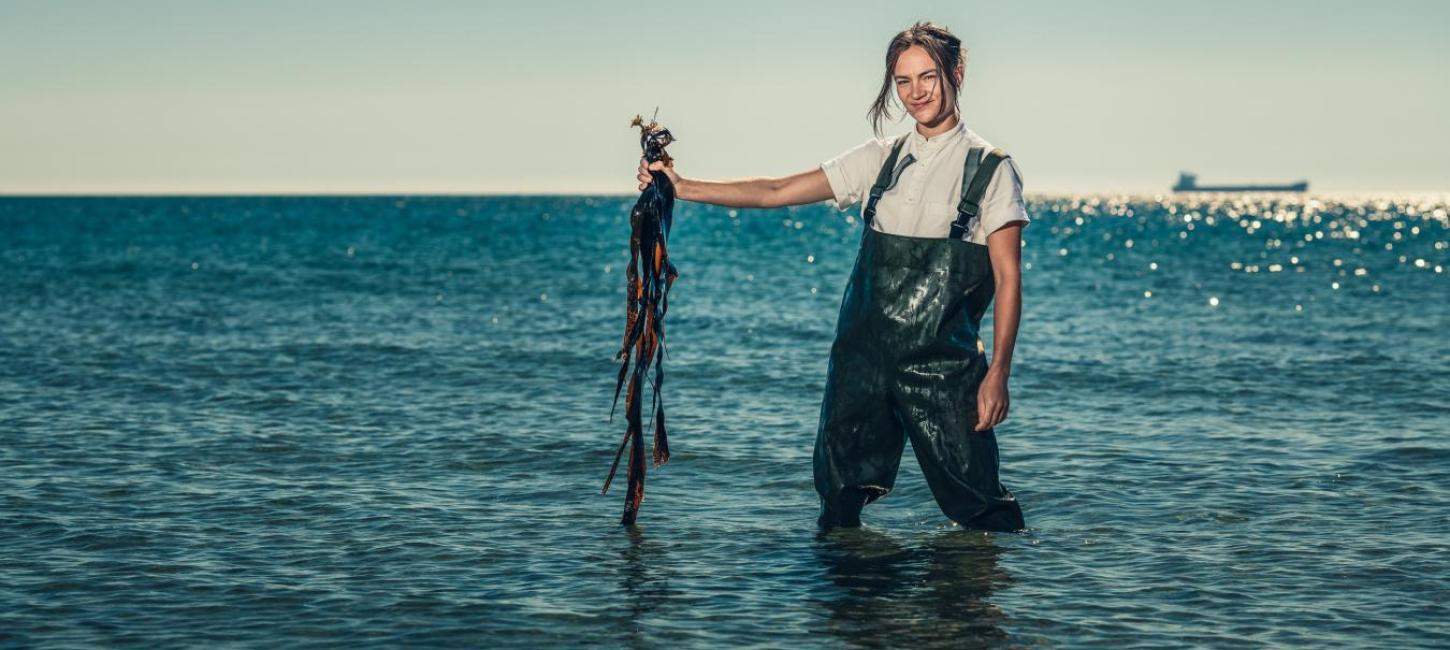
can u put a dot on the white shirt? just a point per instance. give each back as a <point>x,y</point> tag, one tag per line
<point>924,201</point>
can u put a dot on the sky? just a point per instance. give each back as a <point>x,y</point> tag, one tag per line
<point>201,97</point>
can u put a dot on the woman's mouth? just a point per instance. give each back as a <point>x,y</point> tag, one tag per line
<point>917,107</point>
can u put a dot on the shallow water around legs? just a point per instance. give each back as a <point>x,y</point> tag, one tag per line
<point>383,421</point>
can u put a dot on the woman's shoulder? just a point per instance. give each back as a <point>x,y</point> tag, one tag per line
<point>1009,162</point>
<point>851,172</point>
<point>872,152</point>
<point>883,144</point>
<point>974,140</point>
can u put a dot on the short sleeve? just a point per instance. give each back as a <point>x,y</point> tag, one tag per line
<point>853,171</point>
<point>1002,201</point>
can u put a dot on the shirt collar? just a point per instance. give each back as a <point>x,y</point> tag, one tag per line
<point>920,142</point>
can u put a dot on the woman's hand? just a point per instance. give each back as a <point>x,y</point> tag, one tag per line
<point>992,401</point>
<point>659,165</point>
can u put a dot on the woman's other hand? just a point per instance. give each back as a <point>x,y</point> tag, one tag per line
<point>645,168</point>
<point>992,401</point>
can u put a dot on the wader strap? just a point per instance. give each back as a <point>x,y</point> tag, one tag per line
<point>975,177</point>
<point>887,177</point>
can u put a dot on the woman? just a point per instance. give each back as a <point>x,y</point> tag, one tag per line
<point>943,214</point>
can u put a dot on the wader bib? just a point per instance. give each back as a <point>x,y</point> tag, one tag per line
<point>907,362</point>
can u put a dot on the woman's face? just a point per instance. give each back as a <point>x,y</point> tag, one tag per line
<point>918,86</point>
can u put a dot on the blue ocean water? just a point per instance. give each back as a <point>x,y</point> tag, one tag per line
<point>382,421</point>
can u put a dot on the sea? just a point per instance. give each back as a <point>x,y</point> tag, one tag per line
<point>384,421</point>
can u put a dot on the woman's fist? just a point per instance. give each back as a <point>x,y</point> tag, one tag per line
<point>646,167</point>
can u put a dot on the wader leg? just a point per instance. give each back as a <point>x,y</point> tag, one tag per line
<point>959,464</point>
<point>858,446</point>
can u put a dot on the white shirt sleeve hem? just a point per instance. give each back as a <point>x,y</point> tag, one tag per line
<point>838,183</point>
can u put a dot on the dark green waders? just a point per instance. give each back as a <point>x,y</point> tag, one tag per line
<point>907,362</point>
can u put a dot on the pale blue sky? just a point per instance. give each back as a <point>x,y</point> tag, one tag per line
<point>462,97</point>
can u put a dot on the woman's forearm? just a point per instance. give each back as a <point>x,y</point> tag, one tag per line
<point>742,193</point>
<point>1005,316</point>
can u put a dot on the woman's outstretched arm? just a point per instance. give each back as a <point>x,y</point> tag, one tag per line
<point>1004,246</point>
<point>759,192</point>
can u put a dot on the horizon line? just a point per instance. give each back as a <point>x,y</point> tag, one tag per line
<point>1441,194</point>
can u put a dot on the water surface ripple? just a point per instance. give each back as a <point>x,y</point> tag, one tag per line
<point>381,422</point>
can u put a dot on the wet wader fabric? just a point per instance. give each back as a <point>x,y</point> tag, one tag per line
<point>907,363</point>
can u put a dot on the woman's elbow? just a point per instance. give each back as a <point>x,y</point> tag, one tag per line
<point>771,194</point>
<point>1007,278</point>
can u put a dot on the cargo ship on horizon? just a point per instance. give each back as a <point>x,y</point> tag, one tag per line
<point>1188,182</point>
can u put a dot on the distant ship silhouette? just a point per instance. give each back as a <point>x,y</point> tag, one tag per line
<point>1188,182</point>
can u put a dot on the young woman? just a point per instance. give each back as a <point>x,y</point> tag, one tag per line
<point>942,213</point>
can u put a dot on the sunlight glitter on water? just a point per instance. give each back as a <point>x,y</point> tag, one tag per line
<point>291,443</point>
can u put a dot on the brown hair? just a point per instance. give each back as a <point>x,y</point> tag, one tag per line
<point>945,50</point>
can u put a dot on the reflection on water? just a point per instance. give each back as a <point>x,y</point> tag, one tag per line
<point>932,591</point>
<point>644,581</point>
